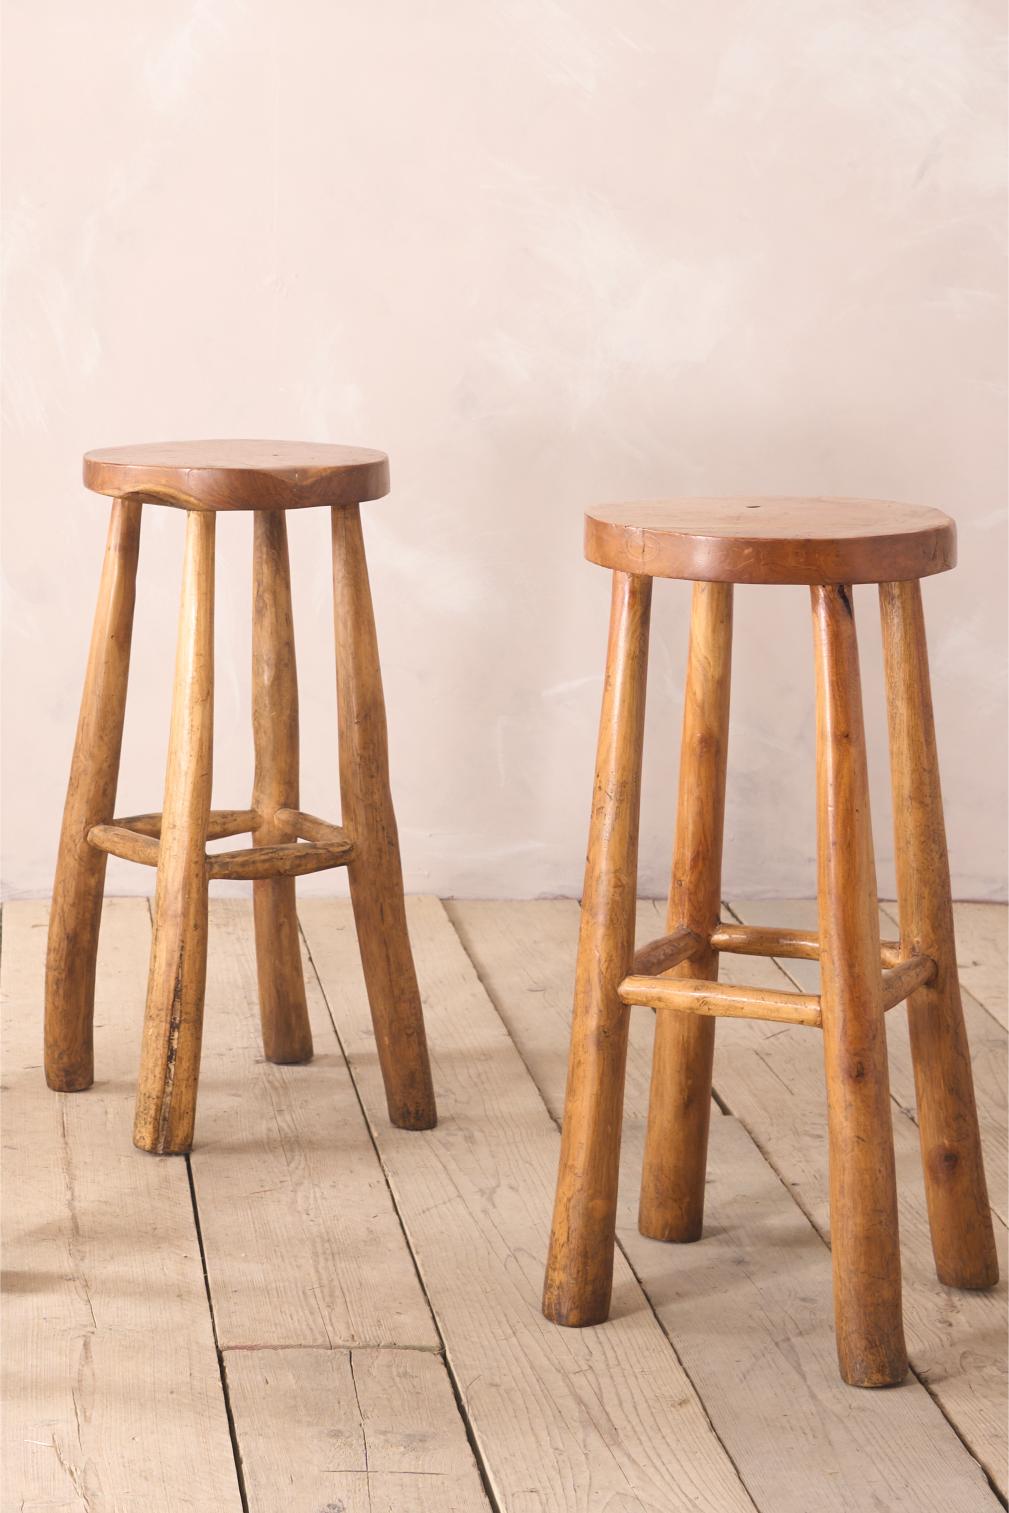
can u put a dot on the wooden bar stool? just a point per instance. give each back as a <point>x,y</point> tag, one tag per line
<point>201,478</point>
<point>829,545</point>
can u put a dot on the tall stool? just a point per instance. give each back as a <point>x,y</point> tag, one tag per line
<point>201,478</point>
<point>829,545</point>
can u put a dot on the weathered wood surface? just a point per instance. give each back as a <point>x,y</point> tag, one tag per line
<point>120,840</point>
<point>79,883</point>
<point>105,1300</point>
<point>578,1282</point>
<point>771,1078</point>
<point>945,1104</point>
<point>666,951</point>
<point>802,945</point>
<point>275,786</point>
<point>289,860</point>
<point>685,995</point>
<point>284,861</point>
<point>362,1431</point>
<point>239,475</point>
<point>982,954</point>
<point>768,540</point>
<point>864,1238</point>
<point>112,1394</point>
<point>302,1242</point>
<point>565,1419</point>
<point>308,827</point>
<point>375,872</point>
<point>173,1019</point>
<point>220,823</point>
<point>902,980</point>
<point>748,1308</point>
<point>676,1141</point>
<point>987,1039</point>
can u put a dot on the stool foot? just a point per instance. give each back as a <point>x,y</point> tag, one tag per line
<point>376,878</point>
<point>79,885</point>
<point>963,1240</point>
<point>865,1249</point>
<point>283,1010</point>
<point>173,1021</point>
<point>579,1272</point>
<point>394,998</point>
<point>679,1110</point>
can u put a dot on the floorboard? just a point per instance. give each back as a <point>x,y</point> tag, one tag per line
<point>337,1431</point>
<point>982,953</point>
<point>600,1420</point>
<point>771,1078</point>
<point>302,1241</point>
<point>375,1292</point>
<point>749,1309</point>
<point>112,1391</point>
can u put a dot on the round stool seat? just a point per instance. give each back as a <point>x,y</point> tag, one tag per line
<point>239,475</point>
<point>759,540</point>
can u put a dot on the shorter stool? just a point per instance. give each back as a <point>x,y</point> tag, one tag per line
<point>201,478</point>
<point>828,545</point>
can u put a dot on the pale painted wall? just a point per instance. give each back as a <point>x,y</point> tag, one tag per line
<point>544,252</point>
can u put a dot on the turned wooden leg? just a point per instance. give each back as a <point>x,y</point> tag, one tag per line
<point>173,1022</point>
<point>376,878</point>
<point>76,911</point>
<point>287,1036</point>
<point>863,1194</point>
<point>579,1275</point>
<point>962,1238</point>
<point>676,1143</point>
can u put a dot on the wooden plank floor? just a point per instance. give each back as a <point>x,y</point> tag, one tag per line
<point>318,1312</point>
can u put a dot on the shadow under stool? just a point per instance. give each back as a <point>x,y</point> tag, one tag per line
<point>267,478</point>
<point>827,544</point>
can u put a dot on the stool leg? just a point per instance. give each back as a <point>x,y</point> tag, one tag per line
<point>287,1035</point>
<point>962,1238</point>
<point>579,1274</point>
<point>863,1193</point>
<point>676,1143</point>
<point>79,884</point>
<point>376,878</point>
<point>173,1021</point>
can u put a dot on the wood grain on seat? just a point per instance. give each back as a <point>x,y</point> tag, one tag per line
<point>239,475</point>
<point>756,540</point>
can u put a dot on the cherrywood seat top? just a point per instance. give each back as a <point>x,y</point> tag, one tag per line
<point>239,475</point>
<point>755,540</point>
